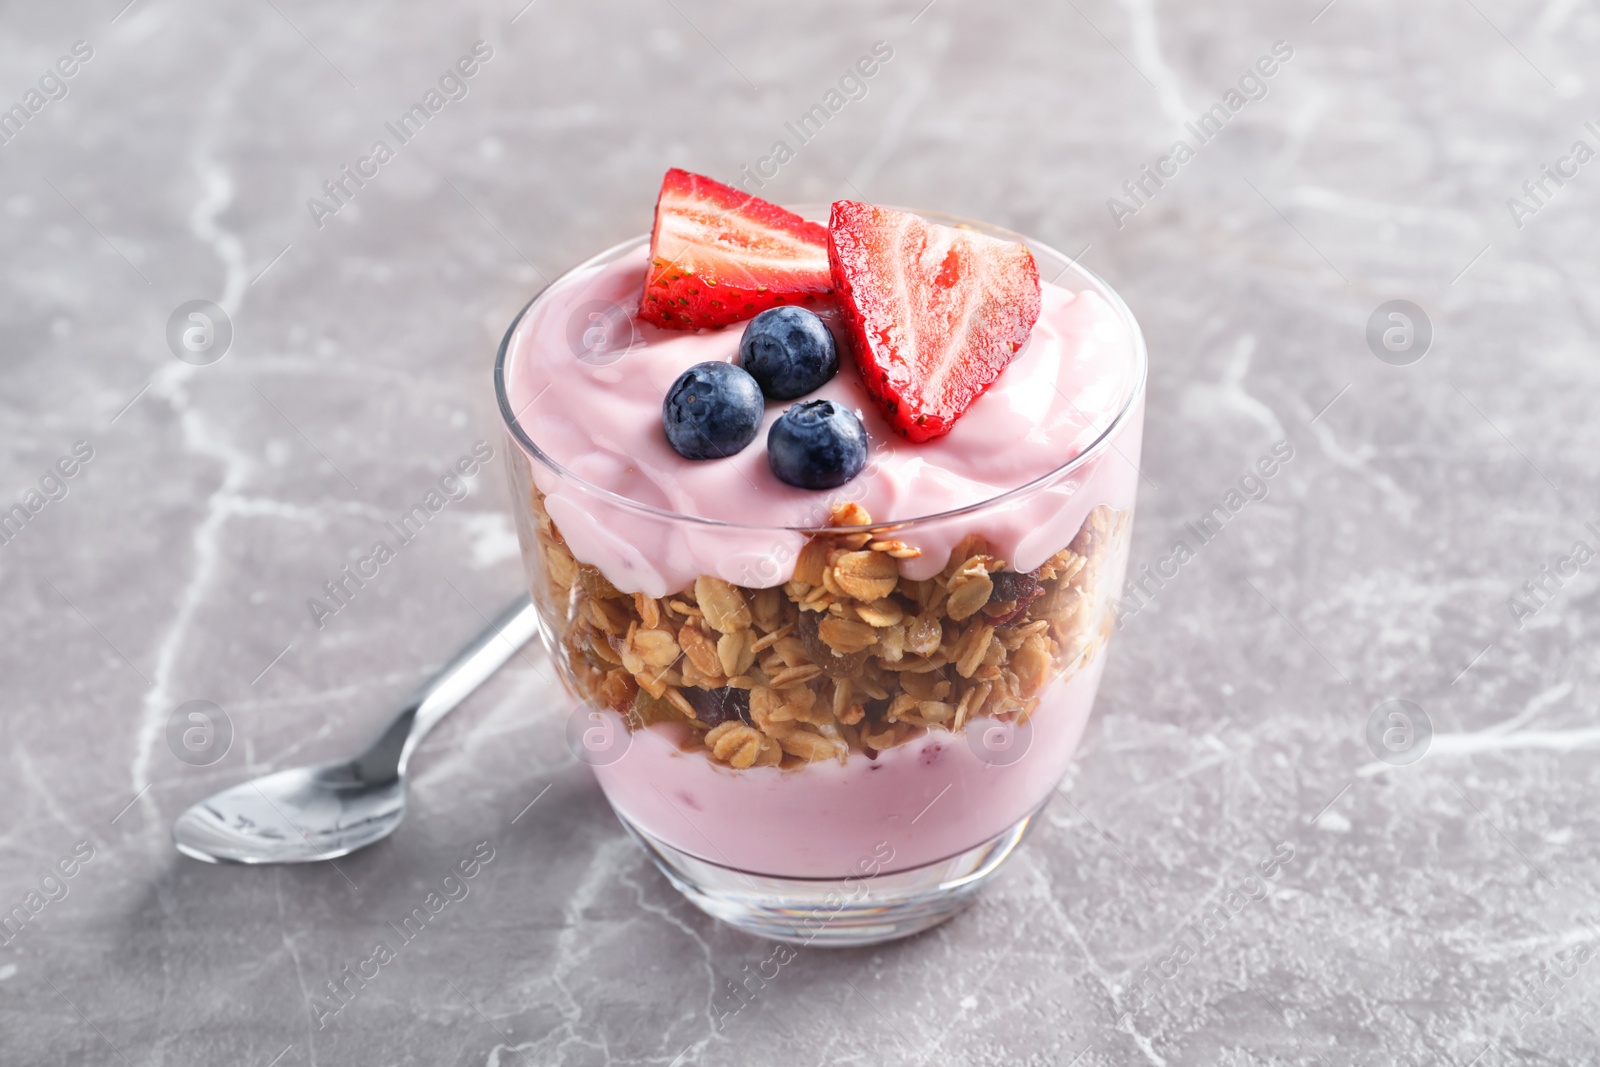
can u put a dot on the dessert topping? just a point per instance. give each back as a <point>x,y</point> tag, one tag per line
<point>817,444</point>
<point>719,256</point>
<point>935,313</point>
<point>713,410</point>
<point>789,351</point>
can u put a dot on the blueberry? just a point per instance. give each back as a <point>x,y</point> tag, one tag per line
<point>713,410</point>
<point>817,444</point>
<point>789,351</point>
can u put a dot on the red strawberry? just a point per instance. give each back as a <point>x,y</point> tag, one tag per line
<point>936,313</point>
<point>718,256</point>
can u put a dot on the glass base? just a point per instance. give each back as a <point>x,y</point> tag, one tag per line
<point>835,912</point>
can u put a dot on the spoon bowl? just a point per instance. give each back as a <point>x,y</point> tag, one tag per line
<point>334,813</point>
<point>306,814</point>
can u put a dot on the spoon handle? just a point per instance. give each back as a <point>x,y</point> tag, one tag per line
<point>386,758</point>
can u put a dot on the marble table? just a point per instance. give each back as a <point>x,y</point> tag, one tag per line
<point>1438,909</point>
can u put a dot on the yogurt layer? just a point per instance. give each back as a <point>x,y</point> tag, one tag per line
<point>928,799</point>
<point>598,417</point>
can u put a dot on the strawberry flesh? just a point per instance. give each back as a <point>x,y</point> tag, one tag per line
<point>935,312</point>
<point>719,256</point>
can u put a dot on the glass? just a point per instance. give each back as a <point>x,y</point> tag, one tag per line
<point>785,780</point>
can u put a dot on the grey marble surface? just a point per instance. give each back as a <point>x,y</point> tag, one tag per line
<point>1442,912</point>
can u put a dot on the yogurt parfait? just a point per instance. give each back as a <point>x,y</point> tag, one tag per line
<point>824,512</point>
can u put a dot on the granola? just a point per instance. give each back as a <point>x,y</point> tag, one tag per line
<point>848,657</point>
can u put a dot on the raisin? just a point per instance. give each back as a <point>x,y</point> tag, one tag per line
<point>1013,585</point>
<point>717,706</point>
<point>831,662</point>
<point>1013,592</point>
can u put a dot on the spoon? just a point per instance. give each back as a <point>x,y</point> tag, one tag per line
<point>306,814</point>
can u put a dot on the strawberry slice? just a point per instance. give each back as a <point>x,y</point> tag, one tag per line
<point>719,256</point>
<point>936,313</point>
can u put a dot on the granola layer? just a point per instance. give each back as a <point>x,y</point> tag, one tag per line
<point>848,658</point>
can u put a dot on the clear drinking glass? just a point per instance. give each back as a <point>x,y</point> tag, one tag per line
<point>839,797</point>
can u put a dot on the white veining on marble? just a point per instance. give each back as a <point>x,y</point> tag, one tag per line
<point>1302,122</point>
<point>930,53</point>
<point>1207,401</point>
<point>1402,505</point>
<point>293,953</point>
<point>492,538</point>
<point>1147,53</point>
<point>200,436</point>
<point>1507,734</point>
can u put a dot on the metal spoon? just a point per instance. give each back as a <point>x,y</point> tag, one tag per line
<point>306,814</point>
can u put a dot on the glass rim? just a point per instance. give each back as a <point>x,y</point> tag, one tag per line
<point>1101,442</point>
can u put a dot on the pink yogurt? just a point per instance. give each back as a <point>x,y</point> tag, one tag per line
<point>600,420</point>
<point>929,799</point>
